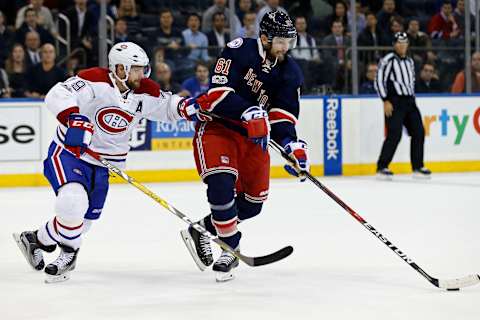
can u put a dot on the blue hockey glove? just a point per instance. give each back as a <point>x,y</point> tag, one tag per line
<point>79,134</point>
<point>190,109</point>
<point>297,150</point>
<point>255,120</point>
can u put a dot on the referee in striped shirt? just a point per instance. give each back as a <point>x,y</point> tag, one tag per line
<point>395,83</point>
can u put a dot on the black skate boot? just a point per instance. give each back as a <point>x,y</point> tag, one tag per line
<point>59,269</point>
<point>422,173</point>
<point>32,249</point>
<point>224,265</point>
<point>384,174</point>
<point>202,253</point>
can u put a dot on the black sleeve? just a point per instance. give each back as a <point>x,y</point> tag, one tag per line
<point>31,79</point>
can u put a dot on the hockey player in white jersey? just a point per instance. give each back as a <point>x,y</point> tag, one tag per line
<point>97,109</point>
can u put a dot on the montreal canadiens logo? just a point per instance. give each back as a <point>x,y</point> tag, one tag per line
<point>113,120</point>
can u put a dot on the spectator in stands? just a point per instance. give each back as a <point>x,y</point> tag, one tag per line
<point>339,14</point>
<point>5,90</point>
<point>419,39</point>
<point>459,83</point>
<point>248,30</point>
<point>159,57</point>
<point>396,25</point>
<point>94,8</point>
<point>30,24</point>
<point>121,30</point>
<point>169,37</point>
<point>244,7</point>
<point>361,19</point>
<point>82,25</point>
<point>306,45</point>
<point>428,81</point>
<point>199,83</point>
<point>337,39</point>
<point>163,75</point>
<point>32,44</point>
<point>128,10</point>
<point>6,39</point>
<point>16,66</point>
<point>218,6</point>
<point>459,16</point>
<point>72,66</point>
<point>368,86</point>
<point>443,24</point>
<point>218,36</point>
<point>335,59</point>
<point>45,75</point>
<point>270,5</point>
<point>372,5</point>
<point>306,54</point>
<point>44,16</point>
<point>195,40</point>
<point>302,8</point>
<point>371,36</point>
<point>384,15</point>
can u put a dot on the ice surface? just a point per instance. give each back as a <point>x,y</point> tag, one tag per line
<point>133,264</point>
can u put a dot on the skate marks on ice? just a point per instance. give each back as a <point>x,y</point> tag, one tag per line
<point>462,180</point>
<point>136,267</point>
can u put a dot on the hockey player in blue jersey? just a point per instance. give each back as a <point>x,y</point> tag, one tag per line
<point>254,95</point>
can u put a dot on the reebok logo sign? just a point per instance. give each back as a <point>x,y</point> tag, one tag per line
<point>332,135</point>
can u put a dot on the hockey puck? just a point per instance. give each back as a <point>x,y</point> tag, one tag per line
<point>455,289</point>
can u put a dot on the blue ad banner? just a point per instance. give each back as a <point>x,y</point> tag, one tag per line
<point>172,136</point>
<point>332,136</point>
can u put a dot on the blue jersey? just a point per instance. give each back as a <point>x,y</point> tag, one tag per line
<point>243,76</point>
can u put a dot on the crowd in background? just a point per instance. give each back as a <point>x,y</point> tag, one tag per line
<point>183,37</point>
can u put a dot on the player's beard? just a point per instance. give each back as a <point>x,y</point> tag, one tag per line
<point>280,56</point>
<point>133,84</point>
<point>274,54</point>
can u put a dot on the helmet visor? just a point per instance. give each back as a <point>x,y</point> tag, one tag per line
<point>147,70</point>
<point>284,43</point>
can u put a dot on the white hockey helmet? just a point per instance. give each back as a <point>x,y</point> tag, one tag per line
<point>128,54</point>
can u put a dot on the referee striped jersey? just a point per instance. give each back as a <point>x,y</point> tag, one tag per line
<point>395,76</point>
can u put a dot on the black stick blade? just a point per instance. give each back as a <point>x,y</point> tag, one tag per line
<point>270,258</point>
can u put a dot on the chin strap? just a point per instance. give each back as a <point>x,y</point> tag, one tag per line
<point>114,77</point>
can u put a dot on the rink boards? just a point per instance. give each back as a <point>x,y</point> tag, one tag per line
<point>345,135</point>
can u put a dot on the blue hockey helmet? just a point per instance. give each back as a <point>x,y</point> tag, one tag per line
<point>278,25</point>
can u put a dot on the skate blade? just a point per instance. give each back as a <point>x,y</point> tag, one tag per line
<point>224,276</point>
<point>187,239</point>
<point>383,177</point>
<point>56,279</point>
<point>22,248</point>
<point>419,176</point>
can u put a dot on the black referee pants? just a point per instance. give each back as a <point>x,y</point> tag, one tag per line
<point>405,113</point>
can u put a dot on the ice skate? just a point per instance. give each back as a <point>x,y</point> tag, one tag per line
<point>201,249</point>
<point>224,265</point>
<point>59,270</point>
<point>422,173</point>
<point>32,249</point>
<point>384,174</point>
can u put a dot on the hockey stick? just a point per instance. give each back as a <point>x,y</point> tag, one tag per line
<point>451,284</point>
<point>251,261</point>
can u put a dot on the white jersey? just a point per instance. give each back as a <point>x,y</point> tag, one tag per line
<point>93,93</point>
